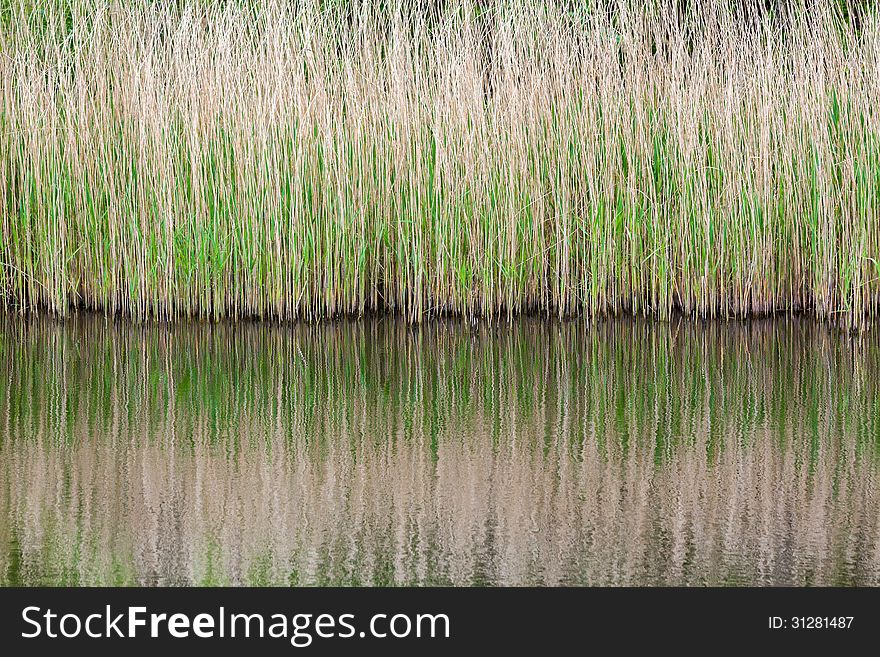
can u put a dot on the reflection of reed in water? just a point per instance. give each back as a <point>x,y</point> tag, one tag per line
<point>376,453</point>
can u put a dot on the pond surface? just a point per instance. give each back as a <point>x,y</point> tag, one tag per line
<point>372,452</point>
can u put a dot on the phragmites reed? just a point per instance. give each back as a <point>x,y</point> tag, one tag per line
<point>308,159</point>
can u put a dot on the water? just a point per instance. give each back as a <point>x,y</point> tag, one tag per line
<point>373,452</point>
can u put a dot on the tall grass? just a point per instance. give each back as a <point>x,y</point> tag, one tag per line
<point>271,159</point>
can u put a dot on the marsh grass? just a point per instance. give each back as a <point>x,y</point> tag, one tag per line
<point>305,160</point>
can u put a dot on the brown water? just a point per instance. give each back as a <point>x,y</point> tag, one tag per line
<point>377,453</point>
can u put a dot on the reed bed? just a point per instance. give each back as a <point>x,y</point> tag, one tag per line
<point>312,159</point>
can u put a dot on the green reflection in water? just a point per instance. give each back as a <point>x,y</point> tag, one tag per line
<point>374,452</point>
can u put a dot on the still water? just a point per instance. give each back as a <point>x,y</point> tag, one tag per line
<point>374,453</point>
